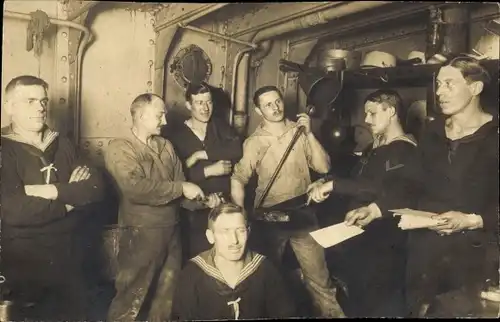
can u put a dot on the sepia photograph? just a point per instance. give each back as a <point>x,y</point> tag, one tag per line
<point>249,161</point>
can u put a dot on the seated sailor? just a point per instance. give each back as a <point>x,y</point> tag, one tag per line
<point>229,281</point>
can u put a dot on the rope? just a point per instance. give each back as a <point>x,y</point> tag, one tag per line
<point>236,307</point>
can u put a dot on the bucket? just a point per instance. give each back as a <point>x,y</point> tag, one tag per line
<point>338,59</point>
<point>6,311</point>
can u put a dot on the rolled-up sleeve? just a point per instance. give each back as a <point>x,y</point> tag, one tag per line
<point>125,168</point>
<point>244,169</point>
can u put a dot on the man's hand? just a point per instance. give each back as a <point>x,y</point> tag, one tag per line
<point>195,157</point>
<point>363,216</point>
<point>80,173</point>
<point>45,191</point>
<point>456,221</point>
<point>319,191</point>
<point>305,121</point>
<point>213,200</point>
<point>192,191</point>
<point>219,168</point>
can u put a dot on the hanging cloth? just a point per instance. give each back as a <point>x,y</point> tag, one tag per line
<point>38,24</point>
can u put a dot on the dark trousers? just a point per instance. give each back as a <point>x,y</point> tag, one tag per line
<point>43,276</point>
<point>270,239</point>
<point>149,260</point>
<point>451,267</point>
<point>373,266</point>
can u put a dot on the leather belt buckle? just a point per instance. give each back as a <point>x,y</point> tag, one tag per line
<point>276,216</point>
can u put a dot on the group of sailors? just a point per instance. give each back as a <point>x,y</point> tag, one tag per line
<point>227,264</point>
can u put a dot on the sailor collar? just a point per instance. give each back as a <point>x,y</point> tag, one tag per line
<point>48,137</point>
<point>206,262</point>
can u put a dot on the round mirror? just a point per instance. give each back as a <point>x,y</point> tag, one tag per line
<point>191,65</point>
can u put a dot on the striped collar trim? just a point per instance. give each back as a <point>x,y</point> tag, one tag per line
<point>48,137</point>
<point>206,262</point>
<point>405,137</point>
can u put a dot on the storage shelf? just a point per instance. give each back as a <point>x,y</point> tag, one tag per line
<point>401,76</point>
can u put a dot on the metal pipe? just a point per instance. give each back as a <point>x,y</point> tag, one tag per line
<point>277,22</point>
<point>85,40</point>
<point>295,137</point>
<point>302,22</point>
<point>86,7</point>
<point>236,63</point>
<point>195,14</point>
<point>266,48</point>
<point>317,18</point>
<point>214,34</point>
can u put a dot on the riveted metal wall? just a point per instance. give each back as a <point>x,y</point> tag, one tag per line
<point>63,76</point>
<point>216,51</point>
<point>117,67</point>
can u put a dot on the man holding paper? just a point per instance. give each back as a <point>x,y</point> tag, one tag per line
<point>375,260</point>
<point>457,172</point>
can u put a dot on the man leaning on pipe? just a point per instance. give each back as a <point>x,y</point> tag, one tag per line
<point>262,152</point>
<point>456,172</point>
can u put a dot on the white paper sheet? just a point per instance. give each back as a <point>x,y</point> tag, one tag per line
<point>412,212</point>
<point>415,222</point>
<point>415,219</point>
<point>335,234</point>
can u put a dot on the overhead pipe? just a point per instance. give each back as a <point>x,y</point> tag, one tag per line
<point>303,22</point>
<point>164,47</point>
<point>85,40</point>
<point>86,7</point>
<point>265,48</point>
<point>214,34</point>
<point>192,16</point>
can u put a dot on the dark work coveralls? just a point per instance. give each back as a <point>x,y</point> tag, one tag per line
<point>40,257</point>
<point>149,183</point>
<point>221,143</point>
<point>453,175</point>
<point>373,263</point>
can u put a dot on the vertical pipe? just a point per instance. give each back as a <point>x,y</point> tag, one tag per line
<point>456,29</point>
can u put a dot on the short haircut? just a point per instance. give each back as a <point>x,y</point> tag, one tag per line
<point>470,68</point>
<point>195,89</point>
<point>225,208</point>
<point>25,80</point>
<point>263,90</point>
<point>387,96</point>
<point>141,101</point>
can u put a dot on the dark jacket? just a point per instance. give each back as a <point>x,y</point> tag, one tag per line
<point>374,176</point>
<point>21,164</point>
<point>202,293</point>
<point>452,175</point>
<point>460,175</point>
<point>149,183</point>
<point>221,143</point>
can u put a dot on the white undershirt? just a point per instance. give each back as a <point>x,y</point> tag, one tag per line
<point>196,132</point>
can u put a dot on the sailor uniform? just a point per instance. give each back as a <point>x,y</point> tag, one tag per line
<point>203,294</point>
